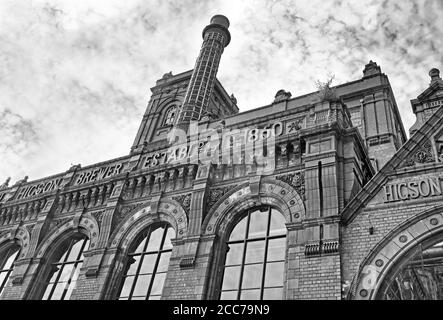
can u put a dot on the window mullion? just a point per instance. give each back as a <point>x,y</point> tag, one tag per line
<point>60,271</point>
<point>268,227</point>
<point>154,271</point>
<point>142,257</point>
<point>242,268</point>
<point>65,290</point>
<point>82,249</point>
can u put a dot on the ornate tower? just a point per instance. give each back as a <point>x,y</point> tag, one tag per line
<point>215,38</point>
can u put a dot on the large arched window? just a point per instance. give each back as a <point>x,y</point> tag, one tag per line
<point>65,268</point>
<point>170,116</point>
<point>7,260</point>
<point>147,264</point>
<point>418,275</point>
<point>254,264</point>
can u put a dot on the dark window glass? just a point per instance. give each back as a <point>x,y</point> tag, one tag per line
<point>170,116</point>
<point>147,265</point>
<point>65,271</point>
<point>7,260</point>
<point>254,264</point>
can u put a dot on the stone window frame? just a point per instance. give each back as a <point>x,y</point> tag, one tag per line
<point>166,210</point>
<point>55,264</point>
<point>168,120</point>
<point>226,240</point>
<point>224,215</point>
<point>146,231</point>
<point>15,247</point>
<point>50,253</point>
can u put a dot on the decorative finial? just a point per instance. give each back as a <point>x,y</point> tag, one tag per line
<point>282,95</point>
<point>5,184</point>
<point>167,75</point>
<point>20,182</point>
<point>233,99</point>
<point>74,167</point>
<point>371,68</point>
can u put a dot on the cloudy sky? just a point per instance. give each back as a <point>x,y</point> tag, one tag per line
<point>75,75</point>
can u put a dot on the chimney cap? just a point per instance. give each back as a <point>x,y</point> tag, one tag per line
<point>221,20</point>
<point>434,74</point>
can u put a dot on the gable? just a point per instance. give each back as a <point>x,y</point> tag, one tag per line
<point>423,151</point>
<point>435,91</point>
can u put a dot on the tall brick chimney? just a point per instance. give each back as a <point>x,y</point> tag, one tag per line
<point>215,38</point>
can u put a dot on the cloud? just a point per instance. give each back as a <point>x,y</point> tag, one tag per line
<point>75,76</point>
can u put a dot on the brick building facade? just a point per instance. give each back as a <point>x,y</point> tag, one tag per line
<point>341,214</point>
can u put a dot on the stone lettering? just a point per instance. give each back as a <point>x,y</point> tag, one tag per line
<point>99,173</point>
<point>413,190</point>
<point>36,189</point>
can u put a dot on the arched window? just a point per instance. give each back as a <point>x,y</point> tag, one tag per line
<point>65,268</point>
<point>170,116</point>
<point>147,264</point>
<point>418,275</point>
<point>7,260</point>
<point>254,264</point>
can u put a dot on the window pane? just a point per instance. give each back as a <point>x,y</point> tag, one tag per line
<point>60,287</point>
<point>258,224</point>
<point>141,246</point>
<point>273,294</point>
<point>142,285</point>
<point>231,278</point>
<point>63,257</point>
<point>276,249</point>
<point>127,285</point>
<point>228,295</point>
<point>76,272</point>
<point>252,276</point>
<point>157,286</point>
<point>170,234</point>
<point>2,278</point>
<point>239,232</point>
<point>255,251</point>
<point>155,239</point>
<point>55,270</point>
<point>66,273</point>
<point>71,287</point>
<point>10,260</point>
<point>250,295</point>
<point>277,226</point>
<point>274,274</point>
<point>48,290</point>
<point>235,254</point>
<point>155,297</point>
<point>74,254</point>
<point>148,263</point>
<point>133,262</point>
<point>85,248</point>
<point>163,263</point>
